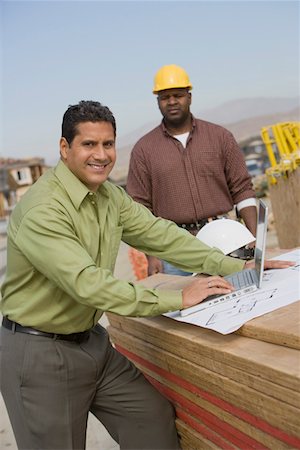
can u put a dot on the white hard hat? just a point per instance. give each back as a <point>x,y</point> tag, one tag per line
<point>226,234</point>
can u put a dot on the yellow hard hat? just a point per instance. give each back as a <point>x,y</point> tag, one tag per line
<point>171,77</point>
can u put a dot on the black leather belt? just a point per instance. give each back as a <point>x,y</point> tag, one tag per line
<point>199,223</point>
<point>195,225</point>
<point>16,327</point>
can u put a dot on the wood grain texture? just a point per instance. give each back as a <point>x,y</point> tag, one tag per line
<point>286,208</point>
<point>185,377</point>
<point>281,326</point>
<point>207,348</point>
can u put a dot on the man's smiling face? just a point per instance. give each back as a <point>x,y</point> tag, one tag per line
<point>92,153</point>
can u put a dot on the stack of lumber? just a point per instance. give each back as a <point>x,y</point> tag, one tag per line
<point>286,208</point>
<point>239,391</point>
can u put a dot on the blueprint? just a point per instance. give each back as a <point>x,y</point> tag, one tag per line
<point>280,287</point>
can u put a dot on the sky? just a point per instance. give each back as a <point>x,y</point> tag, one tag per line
<point>56,53</point>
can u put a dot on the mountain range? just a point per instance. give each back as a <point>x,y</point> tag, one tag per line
<point>243,117</point>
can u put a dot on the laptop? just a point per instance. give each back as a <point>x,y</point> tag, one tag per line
<point>245,281</point>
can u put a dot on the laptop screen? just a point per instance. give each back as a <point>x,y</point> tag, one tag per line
<point>261,235</point>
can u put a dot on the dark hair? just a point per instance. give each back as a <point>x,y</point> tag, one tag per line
<point>85,111</point>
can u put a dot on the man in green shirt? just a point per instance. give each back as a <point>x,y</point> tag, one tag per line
<point>63,240</point>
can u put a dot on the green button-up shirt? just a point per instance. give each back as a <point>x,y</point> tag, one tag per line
<point>62,245</point>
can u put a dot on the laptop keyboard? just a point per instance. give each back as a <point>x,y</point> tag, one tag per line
<point>242,279</point>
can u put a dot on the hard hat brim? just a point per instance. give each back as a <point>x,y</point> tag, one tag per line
<point>156,91</point>
<point>225,234</point>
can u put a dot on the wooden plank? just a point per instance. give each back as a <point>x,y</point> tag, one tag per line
<point>271,362</point>
<point>286,208</point>
<point>166,360</point>
<point>204,438</point>
<point>265,441</point>
<point>268,438</point>
<point>285,331</point>
<point>280,327</point>
<point>274,412</point>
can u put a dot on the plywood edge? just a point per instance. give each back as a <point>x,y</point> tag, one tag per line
<point>249,355</point>
<point>276,414</point>
<point>281,327</point>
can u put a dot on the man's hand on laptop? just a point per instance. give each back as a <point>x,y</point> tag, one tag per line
<point>271,264</point>
<point>202,288</point>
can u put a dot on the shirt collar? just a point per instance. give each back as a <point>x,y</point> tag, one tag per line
<point>76,190</point>
<point>165,131</point>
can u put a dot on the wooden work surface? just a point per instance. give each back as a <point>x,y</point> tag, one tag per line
<point>281,326</point>
<point>224,388</point>
<point>235,391</point>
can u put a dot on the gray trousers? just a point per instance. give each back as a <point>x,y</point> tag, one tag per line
<point>49,386</point>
